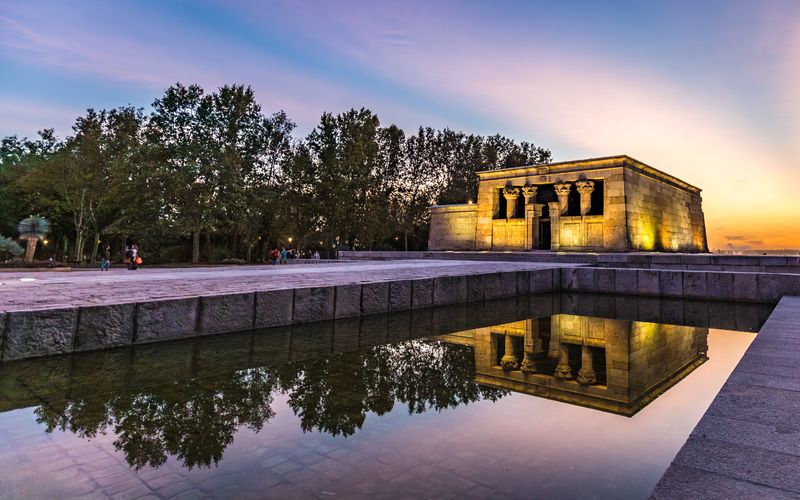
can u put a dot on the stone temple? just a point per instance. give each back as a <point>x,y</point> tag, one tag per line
<point>613,204</point>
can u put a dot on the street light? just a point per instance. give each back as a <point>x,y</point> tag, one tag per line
<point>290,240</point>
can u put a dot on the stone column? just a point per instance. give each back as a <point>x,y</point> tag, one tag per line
<point>509,360</point>
<point>585,189</point>
<point>563,371</point>
<point>562,190</point>
<point>511,194</point>
<point>555,227</point>
<point>586,375</point>
<point>533,346</point>
<point>529,192</point>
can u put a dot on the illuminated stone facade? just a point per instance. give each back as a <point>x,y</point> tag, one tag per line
<point>613,204</point>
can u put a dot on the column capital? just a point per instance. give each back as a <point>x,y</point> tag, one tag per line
<point>562,188</point>
<point>529,192</point>
<point>511,192</point>
<point>584,187</point>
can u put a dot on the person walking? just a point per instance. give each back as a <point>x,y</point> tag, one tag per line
<point>273,256</point>
<point>283,255</point>
<point>316,255</point>
<point>105,256</point>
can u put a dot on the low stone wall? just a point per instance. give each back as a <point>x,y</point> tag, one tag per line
<point>699,262</point>
<point>43,332</point>
<point>712,285</point>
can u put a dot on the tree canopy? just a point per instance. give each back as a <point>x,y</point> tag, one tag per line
<point>209,176</point>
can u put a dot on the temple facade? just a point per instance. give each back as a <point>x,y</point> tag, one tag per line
<point>613,204</point>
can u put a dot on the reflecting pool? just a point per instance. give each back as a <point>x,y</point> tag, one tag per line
<point>571,396</point>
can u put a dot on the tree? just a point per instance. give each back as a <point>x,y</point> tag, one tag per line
<point>9,248</point>
<point>32,230</point>
<point>183,168</point>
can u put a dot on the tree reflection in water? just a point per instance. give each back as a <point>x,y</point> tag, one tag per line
<point>196,420</point>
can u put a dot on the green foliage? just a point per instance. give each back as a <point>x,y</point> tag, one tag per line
<point>212,169</point>
<point>33,227</point>
<point>9,248</point>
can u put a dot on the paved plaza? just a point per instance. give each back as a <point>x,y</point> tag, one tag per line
<point>50,290</point>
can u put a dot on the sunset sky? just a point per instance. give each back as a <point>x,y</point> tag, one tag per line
<point>708,91</point>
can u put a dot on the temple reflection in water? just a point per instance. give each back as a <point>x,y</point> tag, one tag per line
<point>606,353</point>
<point>606,364</point>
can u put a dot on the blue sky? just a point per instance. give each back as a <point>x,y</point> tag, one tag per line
<point>706,90</point>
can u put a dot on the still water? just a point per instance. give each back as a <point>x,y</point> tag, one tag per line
<point>568,396</point>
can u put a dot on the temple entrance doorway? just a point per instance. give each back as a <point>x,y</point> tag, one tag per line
<point>544,235</point>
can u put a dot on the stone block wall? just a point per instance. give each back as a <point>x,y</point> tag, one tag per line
<point>509,234</point>
<point>453,227</point>
<point>582,233</point>
<point>662,215</point>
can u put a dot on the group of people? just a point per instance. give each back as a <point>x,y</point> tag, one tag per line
<point>283,255</point>
<point>132,257</point>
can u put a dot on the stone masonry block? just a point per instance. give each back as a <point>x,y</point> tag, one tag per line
<point>569,279</point>
<point>523,282</point>
<point>104,327</point>
<point>166,319</point>
<point>586,278</point>
<point>449,290</point>
<point>671,284</point>
<point>541,281</point>
<point>400,295</point>
<point>771,287</point>
<point>694,285</point>
<point>348,301</point>
<point>497,285</point>
<point>474,288</point>
<point>39,333</point>
<point>604,280</point>
<point>274,308</point>
<point>720,286</point>
<point>421,293</point>
<point>625,282</point>
<point>745,287</point>
<point>374,298</point>
<point>556,282</point>
<point>226,313</point>
<point>313,304</point>
<point>647,282</point>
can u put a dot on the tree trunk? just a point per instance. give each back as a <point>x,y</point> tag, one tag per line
<point>96,243</point>
<point>30,249</point>
<point>405,240</point>
<point>196,247</point>
<point>80,242</point>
